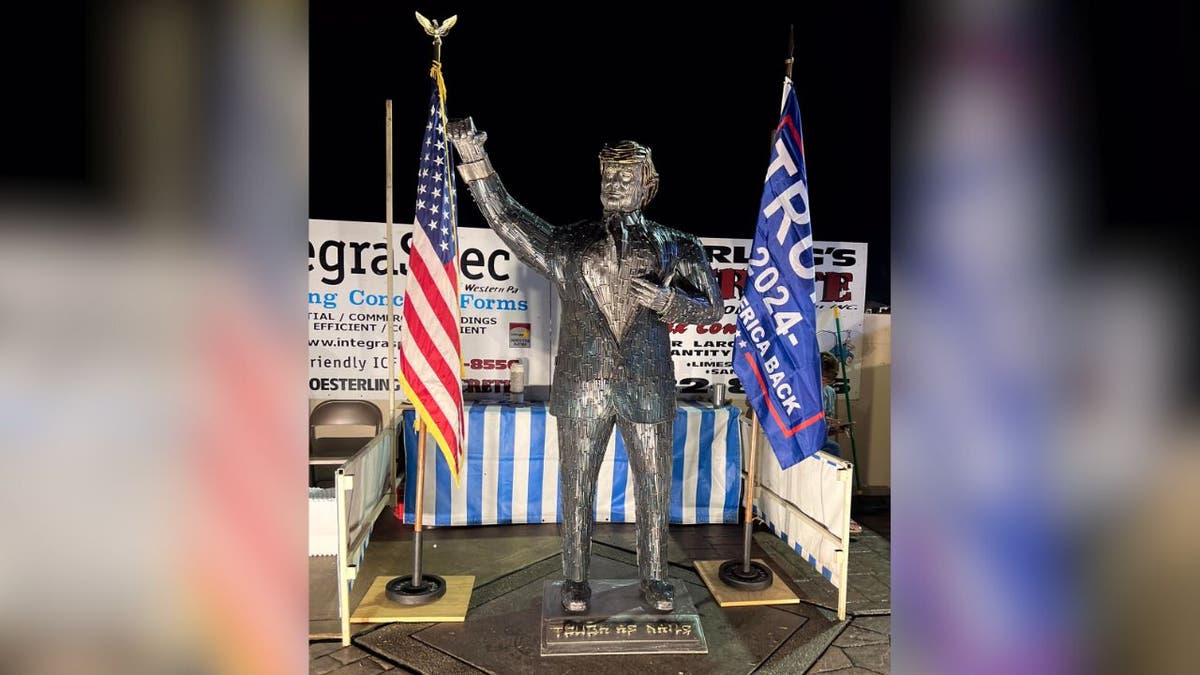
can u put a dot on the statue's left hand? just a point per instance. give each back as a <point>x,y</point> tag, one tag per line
<point>651,295</point>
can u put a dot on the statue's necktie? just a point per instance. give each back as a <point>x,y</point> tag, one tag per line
<point>620,237</point>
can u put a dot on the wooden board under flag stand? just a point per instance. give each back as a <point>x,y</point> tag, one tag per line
<point>777,594</point>
<point>451,607</point>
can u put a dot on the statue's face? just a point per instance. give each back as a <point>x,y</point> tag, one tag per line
<point>622,186</point>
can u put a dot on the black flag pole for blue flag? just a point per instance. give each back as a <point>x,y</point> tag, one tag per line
<point>743,573</point>
<point>787,63</point>
<point>746,574</point>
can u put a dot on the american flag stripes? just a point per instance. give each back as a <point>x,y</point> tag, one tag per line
<point>430,354</point>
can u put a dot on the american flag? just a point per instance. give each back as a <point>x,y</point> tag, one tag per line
<point>430,355</point>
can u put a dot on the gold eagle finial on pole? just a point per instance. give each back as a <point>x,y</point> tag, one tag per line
<point>437,32</point>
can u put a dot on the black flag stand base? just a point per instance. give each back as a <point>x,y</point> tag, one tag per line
<point>735,575</point>
<point>743,573</point>
<point>417,588</point>
<point>403,591</point>
<point>746,574</point>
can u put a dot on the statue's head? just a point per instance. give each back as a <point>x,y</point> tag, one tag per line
<point>628,180</point>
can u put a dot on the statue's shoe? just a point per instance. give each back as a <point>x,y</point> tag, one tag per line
<point>658,594</point>
<point>575,596</point>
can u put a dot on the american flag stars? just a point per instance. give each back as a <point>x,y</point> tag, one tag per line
<point>430,354</point>
<point>434,188</point>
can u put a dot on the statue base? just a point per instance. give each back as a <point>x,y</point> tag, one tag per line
<point>618,623</point>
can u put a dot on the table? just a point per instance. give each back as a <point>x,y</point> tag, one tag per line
<point>511,469</point>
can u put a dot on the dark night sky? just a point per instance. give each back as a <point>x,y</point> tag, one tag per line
<point>701,88</point>
<point>550,86</point>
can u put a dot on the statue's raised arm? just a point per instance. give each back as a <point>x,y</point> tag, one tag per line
<point>526,234</point>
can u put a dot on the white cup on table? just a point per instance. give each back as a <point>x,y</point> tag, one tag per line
<point>516,381</point>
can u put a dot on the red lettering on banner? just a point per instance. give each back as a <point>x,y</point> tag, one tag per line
<point>837,286</point>
<point>486,385</point>
<point>715,329</point>
<point>732,282</point>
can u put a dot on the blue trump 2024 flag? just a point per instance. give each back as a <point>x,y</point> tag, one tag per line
<point>776,355</point>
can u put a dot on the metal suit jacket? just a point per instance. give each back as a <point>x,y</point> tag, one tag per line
<point>614,356</point>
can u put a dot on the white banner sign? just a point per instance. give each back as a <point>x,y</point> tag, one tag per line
<point>704,354</point>
<point>504,310</point>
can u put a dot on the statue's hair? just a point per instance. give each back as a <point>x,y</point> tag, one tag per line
<point>632,152</point>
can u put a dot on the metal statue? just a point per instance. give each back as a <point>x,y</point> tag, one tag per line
<point>623,280</point>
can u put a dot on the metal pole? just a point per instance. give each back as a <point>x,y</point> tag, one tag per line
<point>837,322</point>
<point>419,499</point>
<point>748,527</point>
<point>746,574</point>
<point>418,547</point>
<point>791,49</point>
<point>391,319</point>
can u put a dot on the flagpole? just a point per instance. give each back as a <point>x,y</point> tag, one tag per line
<point>419,503</point>
<point>787,63</point>
<point>748,518</point>
<point>748,526</point>
<point>746,574</point>
<point>841,356</point>
<point>743,573</point>
<point>391,318</point>
<point>419,588</point>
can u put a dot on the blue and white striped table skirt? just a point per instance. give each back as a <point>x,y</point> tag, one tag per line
<point>511,472</point>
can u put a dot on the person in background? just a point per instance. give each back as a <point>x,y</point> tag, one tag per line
<point>829,375</point>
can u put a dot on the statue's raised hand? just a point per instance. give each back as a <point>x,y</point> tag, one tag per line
<point>467,139</point>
